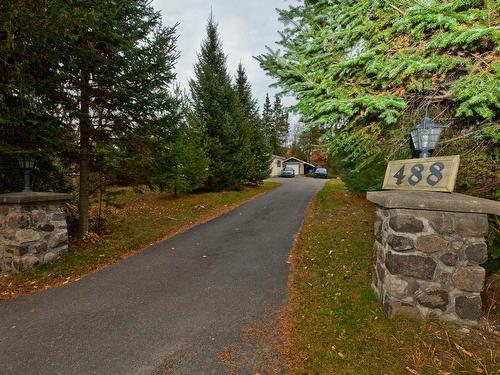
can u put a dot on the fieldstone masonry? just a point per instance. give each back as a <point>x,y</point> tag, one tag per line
<point>428,253</point>
<point>33,229</point>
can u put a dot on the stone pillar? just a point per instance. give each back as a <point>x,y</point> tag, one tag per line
<point>428,253</point>
<point>33,229</point>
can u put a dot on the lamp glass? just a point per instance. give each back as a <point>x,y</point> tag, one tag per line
<point>26,162</point>
<point>22,162</point>
<point>419,136</point>
<point>426,135</point>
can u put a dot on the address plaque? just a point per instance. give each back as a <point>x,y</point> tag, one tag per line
<point>429,174</point>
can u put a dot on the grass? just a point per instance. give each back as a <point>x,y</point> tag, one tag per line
<point>336,325</point>
<point>143,220</point>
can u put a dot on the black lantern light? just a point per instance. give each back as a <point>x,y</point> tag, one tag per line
<point>27,163</point>
<point>426,136</point>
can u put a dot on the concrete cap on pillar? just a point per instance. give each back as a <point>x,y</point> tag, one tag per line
<point>21,198</point>
<point>434,201</point>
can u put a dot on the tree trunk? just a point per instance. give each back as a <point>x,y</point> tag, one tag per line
<point>85,128</point>
<point>99,213</point>
<point>175,181</point>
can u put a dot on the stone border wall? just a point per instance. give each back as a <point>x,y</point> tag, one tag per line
<point>428,263</point>
<point>31,233</point>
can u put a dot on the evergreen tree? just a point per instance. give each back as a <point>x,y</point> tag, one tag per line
<point>28,121</point>
<point>216,109</point>
<point>259,155</point>
<point>180,161</point>
<point>122,68</point>
<point>102,69</point>
<point>276,124</point>
<point>268,124</point>
<point>367,71</point>
<point>280,128</point>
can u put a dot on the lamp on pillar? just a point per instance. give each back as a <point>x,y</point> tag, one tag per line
<point>27,163</point>
<point>426,136</point>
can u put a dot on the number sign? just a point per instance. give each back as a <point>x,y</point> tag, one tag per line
<point>431,174</point>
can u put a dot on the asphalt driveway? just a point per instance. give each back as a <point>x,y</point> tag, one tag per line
<point>173,308</point>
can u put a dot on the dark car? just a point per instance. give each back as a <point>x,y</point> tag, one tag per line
<point>321,173</point>
<point>288,172</point>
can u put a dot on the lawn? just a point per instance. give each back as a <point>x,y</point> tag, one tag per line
<point>142,220</point>
<point>335,324</point>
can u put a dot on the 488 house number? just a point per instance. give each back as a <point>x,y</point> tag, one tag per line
<point>431,174</point>
<point>416,176</point>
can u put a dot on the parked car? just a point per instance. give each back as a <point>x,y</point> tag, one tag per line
<point>288,172</point>
<point>321,173</point>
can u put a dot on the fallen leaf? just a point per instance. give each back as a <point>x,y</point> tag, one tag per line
<point>467,353</point>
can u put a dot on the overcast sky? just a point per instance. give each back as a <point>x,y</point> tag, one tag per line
<point>246,27</point>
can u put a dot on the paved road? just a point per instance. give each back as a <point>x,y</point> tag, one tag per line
<point>175,306</point>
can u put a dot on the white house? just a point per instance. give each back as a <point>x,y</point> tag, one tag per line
<point>277,165</point>
<point>300,167</point>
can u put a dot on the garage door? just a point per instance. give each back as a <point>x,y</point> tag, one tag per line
<point>295,168</point>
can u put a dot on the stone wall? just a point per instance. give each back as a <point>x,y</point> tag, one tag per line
<point>31,233</point>
<point>428,263</point>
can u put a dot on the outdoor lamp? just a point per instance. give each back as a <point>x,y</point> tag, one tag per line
<point>426,136</point>
<point>27,163</point>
